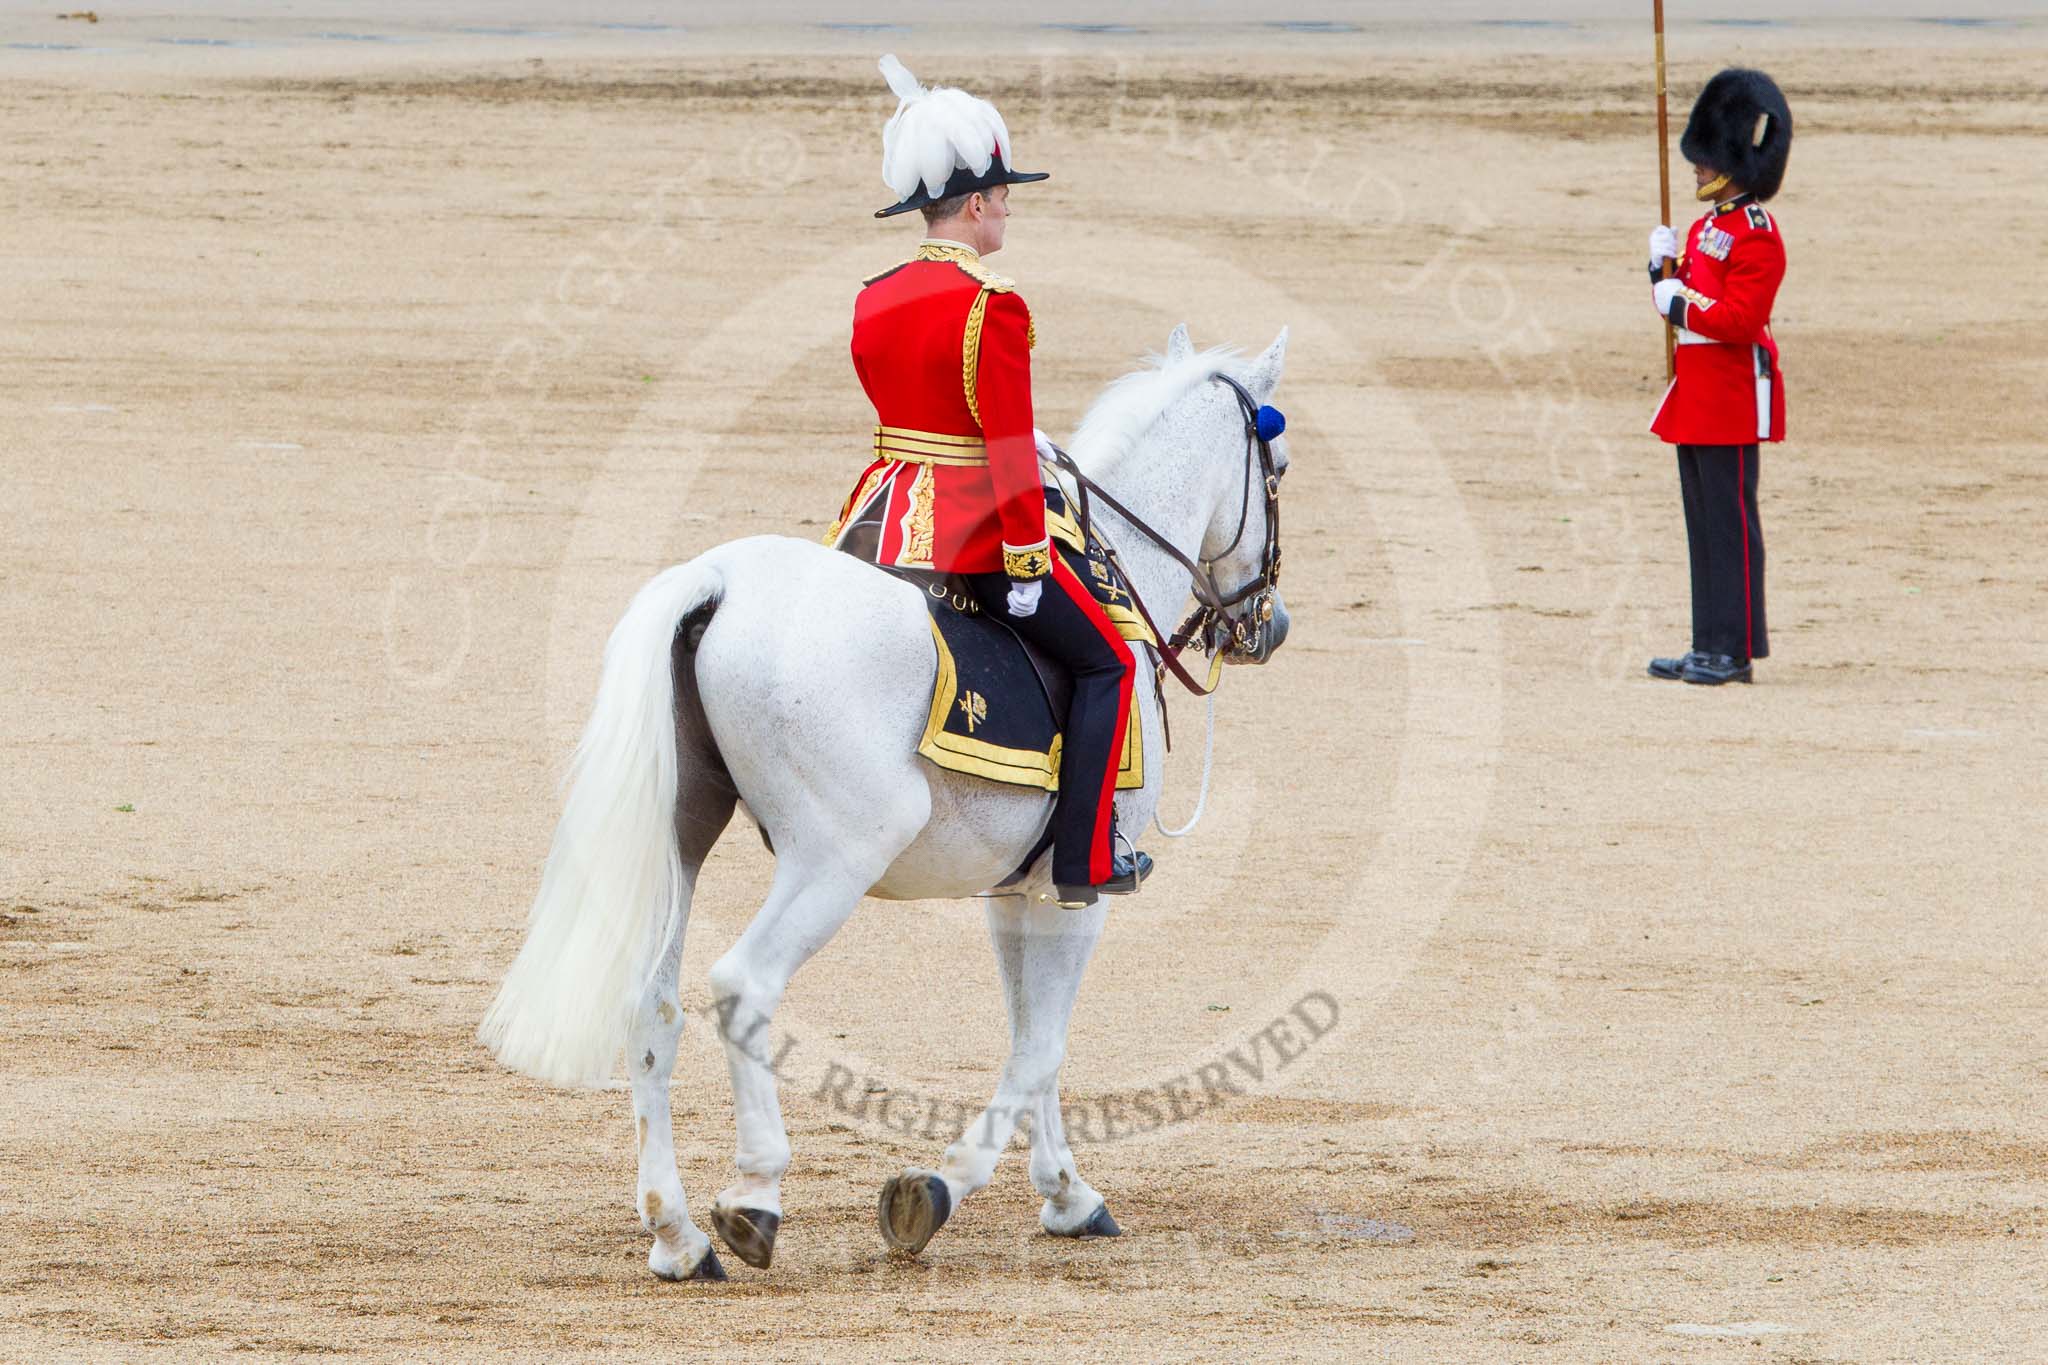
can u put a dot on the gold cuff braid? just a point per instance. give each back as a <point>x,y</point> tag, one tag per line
<point>1035,562</point>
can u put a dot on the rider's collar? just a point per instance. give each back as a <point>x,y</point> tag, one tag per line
<point>948,244</point>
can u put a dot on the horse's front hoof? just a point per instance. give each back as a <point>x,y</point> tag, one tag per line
<point>749,1232</point>
<point>1097,1224</point>
<point>1101,1225</point>
<point>914,1205</point>
<point>670,1268</point>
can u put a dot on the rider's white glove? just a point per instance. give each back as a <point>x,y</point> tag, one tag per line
<point>1024,597</point>
<point>1663,245</point>
<point>1044,443</point>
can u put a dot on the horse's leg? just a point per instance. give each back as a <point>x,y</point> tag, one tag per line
<point>704,803</point>
<point>1072,1208</point>
<point>1041,952</point>
<point>805,907</point>
<point>1053,966</point>
<point>681,1251</point>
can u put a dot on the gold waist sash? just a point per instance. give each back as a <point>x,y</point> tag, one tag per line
<point>928,447</point>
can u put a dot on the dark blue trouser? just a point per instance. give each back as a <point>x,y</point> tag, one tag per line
<point>1070,626</point>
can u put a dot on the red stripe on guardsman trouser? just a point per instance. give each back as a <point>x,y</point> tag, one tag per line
<point>1105,805</point>
<point>1742,511</point>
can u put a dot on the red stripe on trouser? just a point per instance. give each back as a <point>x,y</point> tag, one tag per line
<point>1076,592</point>
<point>1742,515</point>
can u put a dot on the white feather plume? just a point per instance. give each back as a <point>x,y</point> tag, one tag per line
<point>935,132</point>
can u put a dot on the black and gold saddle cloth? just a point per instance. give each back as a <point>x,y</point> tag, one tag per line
<point>998,701</point>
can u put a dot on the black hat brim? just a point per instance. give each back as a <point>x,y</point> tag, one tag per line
<point>965,181</point>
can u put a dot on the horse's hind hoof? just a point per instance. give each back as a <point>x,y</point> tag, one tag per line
<point>914,1205</point>
<point>749,1232</point>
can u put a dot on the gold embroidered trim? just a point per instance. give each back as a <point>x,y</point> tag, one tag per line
<point>1130,770</point>
<point>1064,527</point>
<point>969,263</point>
<point>933,251</point>
<point>970,353</point>
<point>917,531</point>
<point>1034,562</point>
<point>1030,333</point>
<point>867,484</point>
<point>928,447</point>
<point>1018,767</point>
<point>1129,624</point>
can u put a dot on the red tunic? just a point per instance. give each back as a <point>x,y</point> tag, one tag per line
<point>1729,390</point>
<point>943,348</point>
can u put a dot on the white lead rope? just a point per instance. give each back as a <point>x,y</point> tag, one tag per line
<point>1208,756</point>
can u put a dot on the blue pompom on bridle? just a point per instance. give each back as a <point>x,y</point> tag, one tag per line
<point>1270,423</point>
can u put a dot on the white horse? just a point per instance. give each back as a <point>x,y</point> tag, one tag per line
<point>797,679</point>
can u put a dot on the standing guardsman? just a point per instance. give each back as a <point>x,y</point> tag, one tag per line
<point>1729,395</point>
<point>943,347</point>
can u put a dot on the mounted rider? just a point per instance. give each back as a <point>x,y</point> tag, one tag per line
<point>942,346</point>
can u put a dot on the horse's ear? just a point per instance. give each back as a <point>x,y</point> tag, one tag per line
<point>1178,346</point>
<point>1264,375</point>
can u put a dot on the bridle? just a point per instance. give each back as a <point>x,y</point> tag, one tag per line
<point>1248,630</point>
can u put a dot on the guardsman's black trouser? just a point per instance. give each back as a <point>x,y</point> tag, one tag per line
<point>1726,541</point>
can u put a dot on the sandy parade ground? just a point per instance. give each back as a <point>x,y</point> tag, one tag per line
<point>356,369</point>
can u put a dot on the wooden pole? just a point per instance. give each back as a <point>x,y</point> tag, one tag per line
<point>1664,178</point>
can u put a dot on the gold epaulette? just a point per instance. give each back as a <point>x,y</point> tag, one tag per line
<point>986,278</point>
<point>970,266</point>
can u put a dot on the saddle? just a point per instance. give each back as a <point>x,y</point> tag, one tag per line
<point>998,701</point>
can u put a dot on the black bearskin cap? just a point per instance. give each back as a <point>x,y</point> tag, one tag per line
<point>1741,127</point>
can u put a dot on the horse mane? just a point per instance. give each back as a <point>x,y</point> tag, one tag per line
<point>1126,410</point>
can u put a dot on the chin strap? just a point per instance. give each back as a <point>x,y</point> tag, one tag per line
<point>1711,189</point>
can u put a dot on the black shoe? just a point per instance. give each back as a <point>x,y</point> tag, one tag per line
<point>1673,669</point>
<point>1125,875</point>
<point>1712,670</point>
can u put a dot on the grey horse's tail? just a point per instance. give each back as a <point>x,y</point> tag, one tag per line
<point>617,887</point>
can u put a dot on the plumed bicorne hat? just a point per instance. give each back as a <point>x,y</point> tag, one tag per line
<point>1741,127</point>
<point>940,143</point>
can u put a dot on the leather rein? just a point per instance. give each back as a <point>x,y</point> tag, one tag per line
<point>1212,602</point>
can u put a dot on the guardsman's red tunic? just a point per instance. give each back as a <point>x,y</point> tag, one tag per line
<point>1729,390</point>
<point>943,348</point>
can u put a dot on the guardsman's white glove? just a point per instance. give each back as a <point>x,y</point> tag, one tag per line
<point>1661,295</point>
<point>1024,597</point>
<point>1044,443</point>
<point>1663,246</point>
